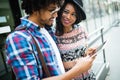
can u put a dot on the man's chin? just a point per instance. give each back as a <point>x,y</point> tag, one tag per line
<point>50,22</point>
<point>49,25</point>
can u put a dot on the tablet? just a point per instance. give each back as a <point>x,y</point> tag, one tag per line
<point>100,47</point>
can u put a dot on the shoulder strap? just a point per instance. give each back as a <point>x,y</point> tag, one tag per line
<point>42,59</point>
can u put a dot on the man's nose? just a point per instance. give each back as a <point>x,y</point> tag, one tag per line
<point>55,15</point>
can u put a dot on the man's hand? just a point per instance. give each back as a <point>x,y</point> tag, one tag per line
<point>84,63</point>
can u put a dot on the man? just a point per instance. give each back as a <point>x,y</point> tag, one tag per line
<point>20,48</point>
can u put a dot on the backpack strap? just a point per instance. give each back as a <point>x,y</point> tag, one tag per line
<point>41,58</point>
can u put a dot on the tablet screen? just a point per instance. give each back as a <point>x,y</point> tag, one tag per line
<point>100,47</point>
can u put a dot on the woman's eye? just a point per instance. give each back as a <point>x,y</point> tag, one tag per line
<point>74,14</point>
<point>65,11</point>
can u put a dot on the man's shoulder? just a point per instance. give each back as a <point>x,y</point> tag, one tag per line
<point>18,34</point>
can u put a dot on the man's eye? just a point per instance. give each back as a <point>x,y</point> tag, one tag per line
<point>51,10</point>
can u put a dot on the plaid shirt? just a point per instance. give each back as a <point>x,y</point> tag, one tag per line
<point>20,50</point>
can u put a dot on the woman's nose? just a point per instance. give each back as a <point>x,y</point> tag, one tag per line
<point>68,16</point>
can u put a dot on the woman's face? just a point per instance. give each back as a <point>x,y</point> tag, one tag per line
<point>68,16</point>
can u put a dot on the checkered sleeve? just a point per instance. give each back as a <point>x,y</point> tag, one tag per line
<point>20,57</point>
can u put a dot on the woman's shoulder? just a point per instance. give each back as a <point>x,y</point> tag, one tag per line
<point>79,28</point>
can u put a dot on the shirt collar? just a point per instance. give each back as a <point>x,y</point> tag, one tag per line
<point>28,24</point>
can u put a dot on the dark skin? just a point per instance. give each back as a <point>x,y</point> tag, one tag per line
<point>46,16</point>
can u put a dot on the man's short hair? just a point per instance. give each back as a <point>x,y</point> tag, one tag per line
<point>35,5</point>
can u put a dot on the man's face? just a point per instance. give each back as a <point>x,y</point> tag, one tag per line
<point>47,16</point>
<point>53,17</point>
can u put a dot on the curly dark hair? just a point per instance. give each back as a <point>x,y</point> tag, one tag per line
<point>59,26</point>
<point>35,5</point>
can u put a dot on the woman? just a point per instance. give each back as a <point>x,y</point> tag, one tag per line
<point>71,37</point>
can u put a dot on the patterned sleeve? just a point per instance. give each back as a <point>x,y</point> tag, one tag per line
<point>85,33</point>
<point>83,29</point>
<point>20,57</point>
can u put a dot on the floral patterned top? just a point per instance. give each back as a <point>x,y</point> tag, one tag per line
<point>72,44</point>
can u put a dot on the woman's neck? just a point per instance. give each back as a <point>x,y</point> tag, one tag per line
<point>68,29</point>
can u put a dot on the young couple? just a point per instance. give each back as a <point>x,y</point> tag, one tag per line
<point>70,40</point>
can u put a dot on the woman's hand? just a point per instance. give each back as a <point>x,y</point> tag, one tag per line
<point>90,51</point>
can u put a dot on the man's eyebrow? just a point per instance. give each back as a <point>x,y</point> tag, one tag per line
<point>51,7</point>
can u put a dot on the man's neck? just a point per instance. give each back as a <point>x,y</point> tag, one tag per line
<point>35,20</point>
